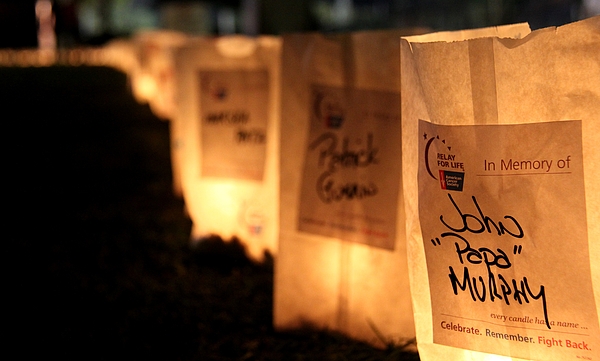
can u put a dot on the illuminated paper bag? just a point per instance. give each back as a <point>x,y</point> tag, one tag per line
<point>152,81</point>
<point>228,117</point>
<point>501,164</point>
<point>342,259</point>
<point>120,54</point>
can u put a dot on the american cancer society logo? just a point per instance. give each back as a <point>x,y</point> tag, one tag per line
<point>328,109</point>
<point>217,89</point>
<point>450,170</point>
<point>218,92</point>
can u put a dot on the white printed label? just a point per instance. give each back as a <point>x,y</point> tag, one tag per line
<point>234,112</point>
<point>503,217</point>
<point>351,173</point>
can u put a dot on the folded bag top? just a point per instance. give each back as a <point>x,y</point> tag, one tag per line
<point>501,167</point>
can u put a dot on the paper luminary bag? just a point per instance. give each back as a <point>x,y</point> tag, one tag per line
<point>342,259</point>
<point>502,167</point>
<point>153,81</point>
<point>228,118</point>
<point>120,54</point>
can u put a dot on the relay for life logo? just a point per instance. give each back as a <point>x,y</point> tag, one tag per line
<point>450,170</point>
<point>507,252</point>
<point>329,109</point>
<point>217,89</point>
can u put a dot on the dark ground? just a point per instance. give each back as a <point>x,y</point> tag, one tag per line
<point>97,263</point>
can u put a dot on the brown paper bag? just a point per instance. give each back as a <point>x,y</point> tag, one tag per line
<point>152,82</point>
<point>154,77</point>
<point>228,118</point>
<point>120,54</point>
<point>342,258</point>
<point>501,168</point>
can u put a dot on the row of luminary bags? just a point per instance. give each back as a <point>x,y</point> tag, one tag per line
<point>309,147</point>
<point>384,171</point>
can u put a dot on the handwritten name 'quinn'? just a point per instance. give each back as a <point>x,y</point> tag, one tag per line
<point>333,160</point>
<point>493,286</point>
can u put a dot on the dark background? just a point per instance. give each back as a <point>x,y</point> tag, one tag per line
<point>73,17</point>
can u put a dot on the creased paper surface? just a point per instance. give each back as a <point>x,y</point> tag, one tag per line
<point>228,121</point>
<point>548,76</point>
<point>342,87</point>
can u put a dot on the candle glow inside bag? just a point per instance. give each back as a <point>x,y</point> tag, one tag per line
<point>153,80</point>
<point>501,169</point>
<point>228,119</point>
<point>153,83</point>
<point>342,259</point>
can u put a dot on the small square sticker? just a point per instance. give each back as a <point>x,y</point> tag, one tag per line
<point>452,181</point>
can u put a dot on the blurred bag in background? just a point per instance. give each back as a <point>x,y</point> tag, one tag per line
<point>342,259</point>
<point>227,117</point>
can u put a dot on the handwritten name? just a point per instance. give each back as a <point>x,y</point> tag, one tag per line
<point>237,117</point>
<point>494,286</point>
<point>253,136</point>
<point>333,159</point>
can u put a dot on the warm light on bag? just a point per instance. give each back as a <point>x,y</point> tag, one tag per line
<point>153,81</point>
<point>227,124</point>
<point>342,260</point>
<point>501,168</point>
